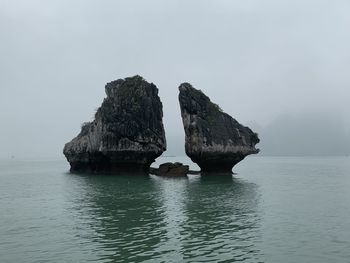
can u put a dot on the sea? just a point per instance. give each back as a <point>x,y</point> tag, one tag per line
<point>273,209</point>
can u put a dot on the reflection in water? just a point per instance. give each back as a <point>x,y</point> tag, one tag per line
<point>154,219</point>
<point>124,214</point>
<point>222,220</point>
<point>174,195</point>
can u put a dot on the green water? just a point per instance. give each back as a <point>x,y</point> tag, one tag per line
<point>272,210</point>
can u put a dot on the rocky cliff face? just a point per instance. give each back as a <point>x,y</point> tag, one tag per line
<point>127,133</point>
<point>214,140</point>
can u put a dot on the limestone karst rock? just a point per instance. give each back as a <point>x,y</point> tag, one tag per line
<point>127,133</point>
<point>214,140</point>
<point>171,169</point>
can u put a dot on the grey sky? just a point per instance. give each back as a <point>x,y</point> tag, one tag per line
<point>257,59</point>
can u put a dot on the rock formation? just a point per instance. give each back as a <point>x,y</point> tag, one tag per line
<point>170,169</point>
<point>214,140</point>
<point>127,133</point>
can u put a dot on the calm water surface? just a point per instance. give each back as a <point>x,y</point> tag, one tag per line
<point>272,210</point>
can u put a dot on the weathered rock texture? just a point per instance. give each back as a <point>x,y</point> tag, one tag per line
<point>214,140</point>
<point>170,169</point>
<point>127,133</point>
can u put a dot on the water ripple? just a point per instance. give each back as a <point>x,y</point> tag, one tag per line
<point>150,219</point>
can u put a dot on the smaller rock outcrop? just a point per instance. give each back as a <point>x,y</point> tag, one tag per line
<point>214,140</point>
<point>127,133</point>
<point>170,169</point>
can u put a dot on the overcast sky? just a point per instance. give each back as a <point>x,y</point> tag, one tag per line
<point>257,59</point>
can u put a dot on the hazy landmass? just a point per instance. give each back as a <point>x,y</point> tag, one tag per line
<point>305,134</point>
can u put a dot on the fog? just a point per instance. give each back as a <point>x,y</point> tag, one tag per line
<point>281,67</point>
<point>305,134</point>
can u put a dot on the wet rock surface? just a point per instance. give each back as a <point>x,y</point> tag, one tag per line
<point>170,169</point>
<point>127,133</point>
<point>214,140</point>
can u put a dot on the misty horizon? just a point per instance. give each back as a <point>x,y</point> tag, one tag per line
<point>279,68</point>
